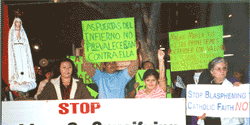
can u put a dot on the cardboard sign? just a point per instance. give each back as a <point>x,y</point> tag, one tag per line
<point>109,40</point>
<point>218,100</point>
<point>139,79</point>
<point>95,112</point>
<point>194,49</point>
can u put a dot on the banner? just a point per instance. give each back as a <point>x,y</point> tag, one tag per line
<point>139,79</point>
<point>194,49</point>
<point>83,74</point>
<point>95,112</point>
<point>109,40</point>
<point>218,100</point>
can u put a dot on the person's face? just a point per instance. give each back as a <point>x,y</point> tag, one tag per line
<point>148,65</point>
<point>219,71</point>
<point>110,67</point>
<point>17,23</point>
<point>150,82</point>
<point>237,75</point>
<point>66,69</point>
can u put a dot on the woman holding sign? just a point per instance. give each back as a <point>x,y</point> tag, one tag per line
<point>218,69</point>
<point>150,77</point>
<point>66,85</point>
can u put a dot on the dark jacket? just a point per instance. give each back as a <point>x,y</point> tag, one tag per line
<point>52,90</point>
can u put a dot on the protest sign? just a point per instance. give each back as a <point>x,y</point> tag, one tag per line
<point>194,49</point>
<point>109,40</point>
<point>83,74</point>
<point>139,79</point>
<point>95,112</point>
<point>218,100</point>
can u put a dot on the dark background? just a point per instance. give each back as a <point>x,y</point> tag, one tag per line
<point>55,26</point>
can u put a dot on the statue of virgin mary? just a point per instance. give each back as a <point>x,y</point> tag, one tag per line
<point>21,69</point>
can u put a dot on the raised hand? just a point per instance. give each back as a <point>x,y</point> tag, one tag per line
<point>161,54</point>
<point>136,85</point>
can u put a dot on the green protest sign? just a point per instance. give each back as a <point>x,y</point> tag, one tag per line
<point>83,74</point>
<point>194,49</point>
<point>109,40</point>
<point>139,79</point>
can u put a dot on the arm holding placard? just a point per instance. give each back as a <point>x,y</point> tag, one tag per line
<point>133,67</point>
<point>162,78</point>
<point>87,66</point>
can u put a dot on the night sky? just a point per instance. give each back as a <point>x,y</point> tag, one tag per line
<point>55,26</point>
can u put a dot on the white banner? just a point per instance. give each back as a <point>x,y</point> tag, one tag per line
<point>95,112</point>
<point>218,100</point>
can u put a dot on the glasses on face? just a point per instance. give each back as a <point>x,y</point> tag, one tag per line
<point>221,69</point>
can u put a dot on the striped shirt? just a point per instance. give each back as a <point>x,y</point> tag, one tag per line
<point>156,93</point>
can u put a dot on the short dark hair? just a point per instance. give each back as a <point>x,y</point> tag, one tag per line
<point>151,72</point>
<point>143,64</point>
<point>216,61</point>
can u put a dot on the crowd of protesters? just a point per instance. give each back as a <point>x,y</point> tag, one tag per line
<point>112,83</point>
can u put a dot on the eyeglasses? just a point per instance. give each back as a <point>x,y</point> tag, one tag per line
<point>221,69</point>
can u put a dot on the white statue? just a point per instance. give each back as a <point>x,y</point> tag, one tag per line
<point>21,69</point>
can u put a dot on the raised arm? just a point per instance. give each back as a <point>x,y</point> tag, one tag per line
<point>162,78</point>
<point>87,66</point>
<point>133,67</point>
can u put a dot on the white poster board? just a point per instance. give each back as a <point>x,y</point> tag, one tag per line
<point>218,100</point>
<point>94,112</point>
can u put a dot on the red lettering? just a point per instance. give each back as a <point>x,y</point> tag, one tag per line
<point>64,109</point>
<point>86,107</point>
<point>246,106</point>
<point>93,107</point>
<point>237,105</point>
<point>74,107</point>
<point>243,107</point>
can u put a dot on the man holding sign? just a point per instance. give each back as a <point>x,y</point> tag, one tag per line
<point>111,83</point>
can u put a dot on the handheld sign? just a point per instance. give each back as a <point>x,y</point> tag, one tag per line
<point>194,49</point>
<point>218,100</point>
<point>94,112</point>
<point>139,79</point>
<point>109,40</point>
